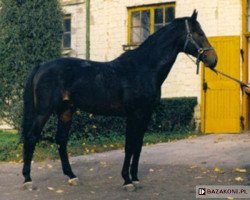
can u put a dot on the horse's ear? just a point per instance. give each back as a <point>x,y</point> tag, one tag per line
<point>194,15</point>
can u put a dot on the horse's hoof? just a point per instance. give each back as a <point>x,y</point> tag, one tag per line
<point>73,181</point>
<point>129,187</point>
<point>137,184</point>
<point>29,186</point>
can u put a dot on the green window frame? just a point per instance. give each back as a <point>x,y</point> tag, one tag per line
<point>145,20</point>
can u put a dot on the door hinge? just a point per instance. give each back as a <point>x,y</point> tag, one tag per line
<point>242,54</point>
<point>242,123</point>
<point>205,86</point>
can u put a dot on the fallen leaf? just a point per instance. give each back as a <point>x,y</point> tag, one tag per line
<point>103,164</point>
<point>59,191</point>
<point>216,169</point>
<point>241,170</point>
<point>86,150</point>
<point>230,198</point>
<point>51,188</point>
<point>49,166</point>
<point>239,179</point>
<point>91,169</point>
<point>193,166</point>
<point>151,170</point>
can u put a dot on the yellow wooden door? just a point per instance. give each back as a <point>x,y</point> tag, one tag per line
<point>220,111</point>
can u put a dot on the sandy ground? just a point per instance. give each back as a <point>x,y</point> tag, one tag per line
<point>168,171</point>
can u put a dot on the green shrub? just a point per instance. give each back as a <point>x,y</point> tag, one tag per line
<point>172,114</point>
<point>30,33</point>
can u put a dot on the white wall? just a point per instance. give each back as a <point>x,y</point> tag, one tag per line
<point>78,26</point>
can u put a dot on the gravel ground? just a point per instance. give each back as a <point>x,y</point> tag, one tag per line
<point>168,171</point>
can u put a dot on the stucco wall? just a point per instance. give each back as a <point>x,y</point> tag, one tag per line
<point>78,27</point>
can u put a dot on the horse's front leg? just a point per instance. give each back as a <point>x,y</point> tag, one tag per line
<point>128,154</point>
<point>135,129</point>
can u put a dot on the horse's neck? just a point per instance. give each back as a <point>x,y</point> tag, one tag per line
<point>158,53</point>
<point>165,65</point>
<point>160,60</point>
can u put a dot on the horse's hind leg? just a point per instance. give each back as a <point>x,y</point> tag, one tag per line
<point>30,140</point>
<point>62,136</point>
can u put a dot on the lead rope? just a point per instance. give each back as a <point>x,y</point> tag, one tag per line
<point>242,84</point>
<point>197,62</point>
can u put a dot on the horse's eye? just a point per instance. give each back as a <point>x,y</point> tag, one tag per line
<point>200,34</point>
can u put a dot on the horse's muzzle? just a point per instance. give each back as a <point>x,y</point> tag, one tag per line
<point>210,59</point>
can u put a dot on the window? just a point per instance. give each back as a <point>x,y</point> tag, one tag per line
<point>145,20</point>
<point>66,40</point>
<point>248,16</point>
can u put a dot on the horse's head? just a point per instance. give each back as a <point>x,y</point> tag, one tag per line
<point>197,44</point>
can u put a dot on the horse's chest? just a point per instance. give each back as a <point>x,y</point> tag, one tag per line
<point>142,94</point>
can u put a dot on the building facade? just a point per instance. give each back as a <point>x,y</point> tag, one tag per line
<point>103,29</point>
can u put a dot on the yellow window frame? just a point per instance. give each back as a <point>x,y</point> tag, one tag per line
<point>151,9</point>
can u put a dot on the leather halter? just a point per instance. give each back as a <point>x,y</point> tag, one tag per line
<point>200,50</point>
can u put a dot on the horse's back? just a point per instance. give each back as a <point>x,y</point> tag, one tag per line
<point>91,86</point>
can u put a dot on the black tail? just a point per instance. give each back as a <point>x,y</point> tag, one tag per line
<point>28,101</point>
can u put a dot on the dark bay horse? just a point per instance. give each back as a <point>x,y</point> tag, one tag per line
<point>129,86</point>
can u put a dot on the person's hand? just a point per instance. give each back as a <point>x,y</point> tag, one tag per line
<point>247,90</point>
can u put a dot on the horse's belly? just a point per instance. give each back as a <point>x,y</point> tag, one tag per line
<point>101,106</point>
<point>102,110</point>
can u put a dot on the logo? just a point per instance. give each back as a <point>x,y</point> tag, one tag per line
<point>202,191</point>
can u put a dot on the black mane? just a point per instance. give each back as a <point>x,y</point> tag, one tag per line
<point>150,49</point>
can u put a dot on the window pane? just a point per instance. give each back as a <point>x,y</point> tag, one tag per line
<point>141,19</point>
<point>169,14</point>
<point>136,35</point>
<point>66,40</point>
<point>145,34</point>
<point>67,25</point>
<point>135,19</point>
<point>145,24</point>
<point>157,27</point>
<point>158,16</point>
